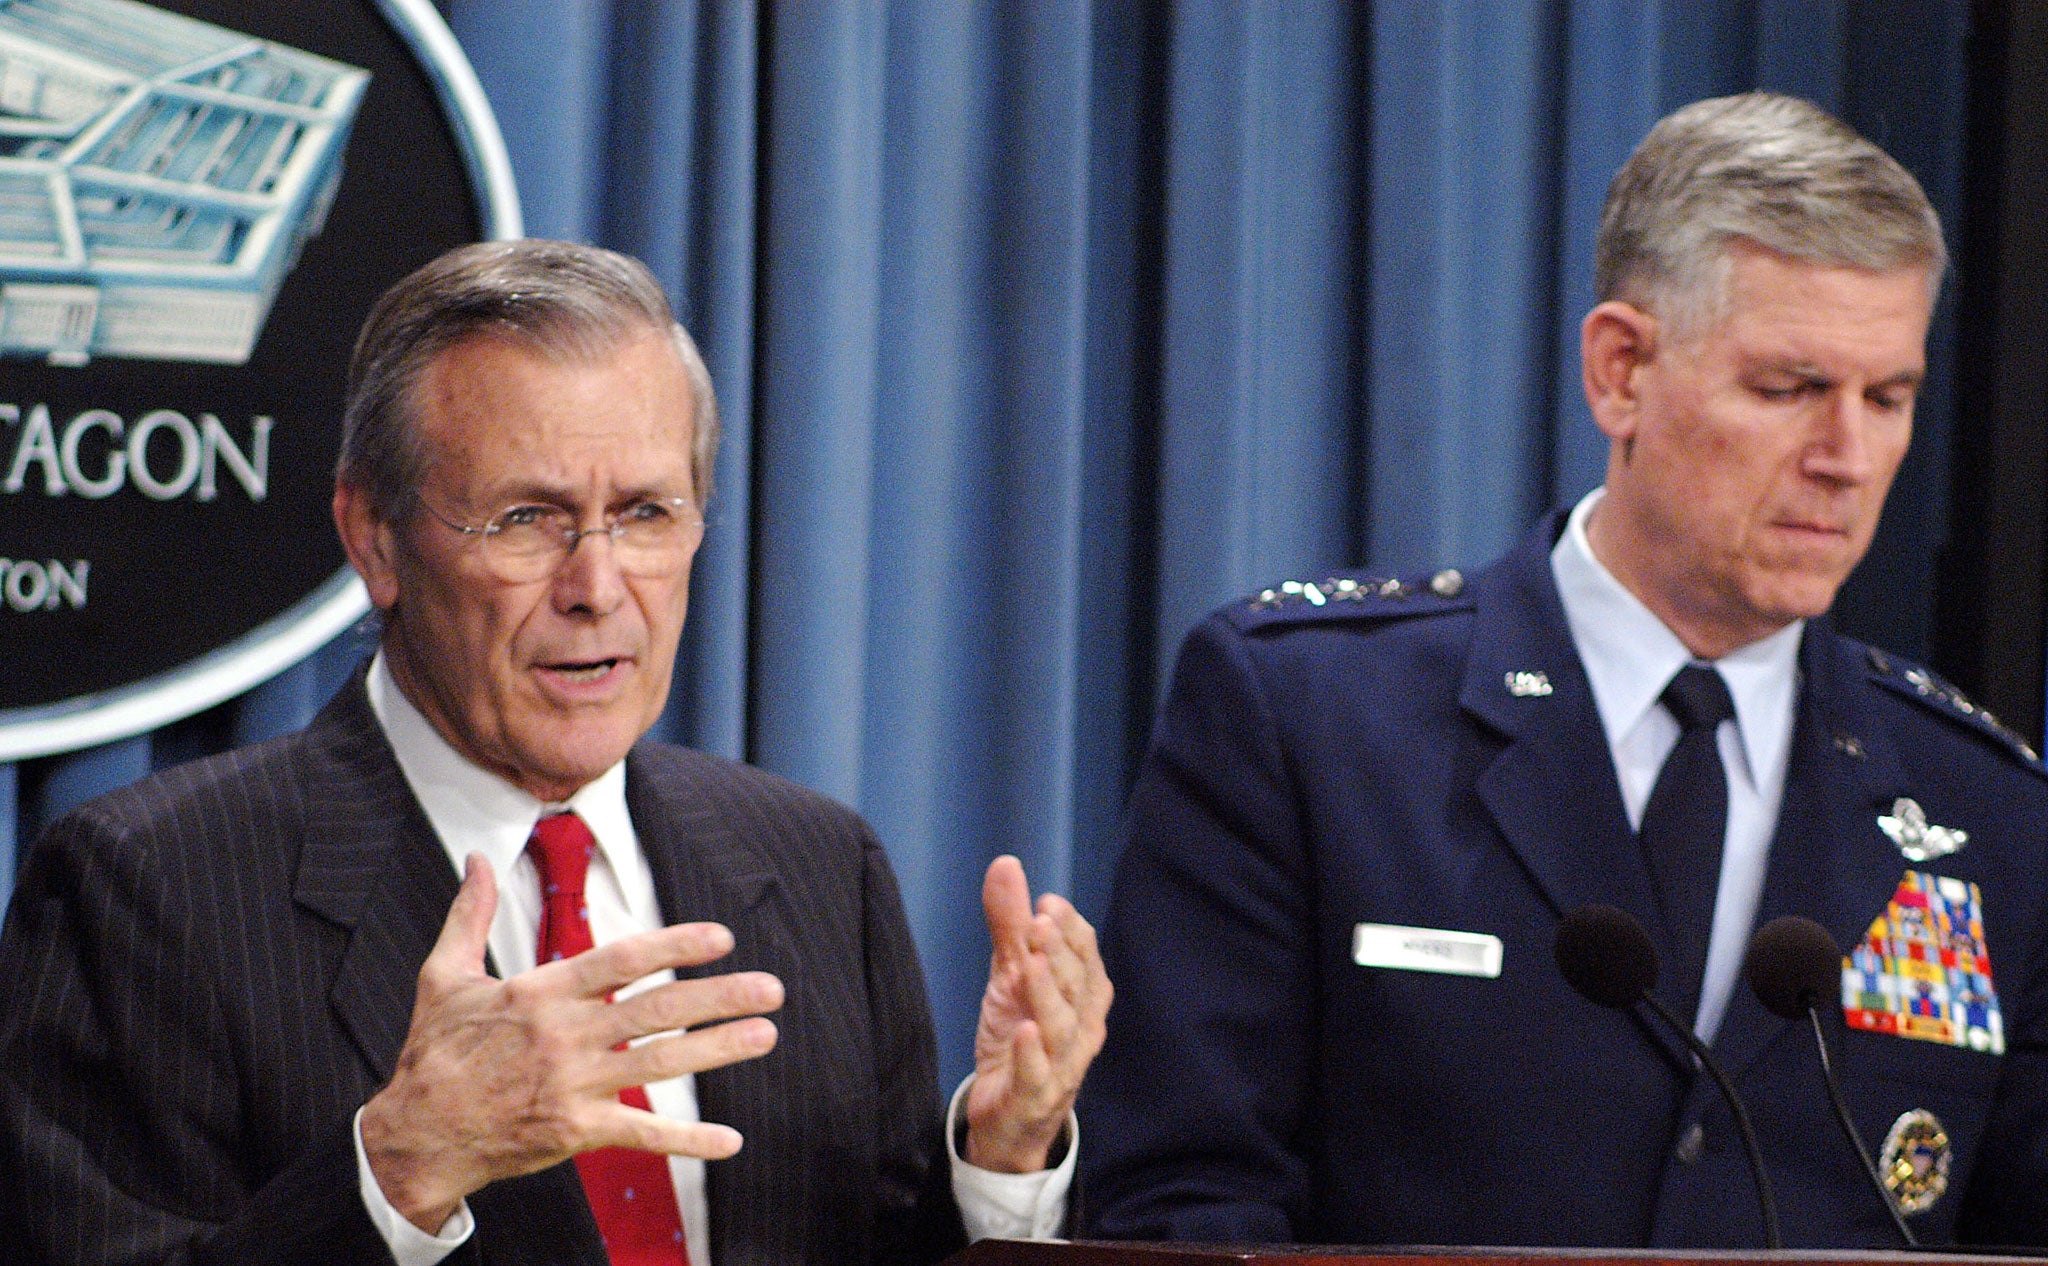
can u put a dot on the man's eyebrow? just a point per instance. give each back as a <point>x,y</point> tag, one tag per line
<point>570,498</point>
<point>1811,372</point>
<point>1787,365</point>
<point>533,490</point>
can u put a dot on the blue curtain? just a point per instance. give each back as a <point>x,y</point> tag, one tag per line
<point>1040,329</point>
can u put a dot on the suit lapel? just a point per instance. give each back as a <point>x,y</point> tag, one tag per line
<point>1829,862</point>
<point>703,870</point>
<point>372,865</point>
<point>1551,788</point>
<point>1862,867</point>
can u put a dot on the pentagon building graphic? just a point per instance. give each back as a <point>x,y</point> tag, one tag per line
<point>158,176</point>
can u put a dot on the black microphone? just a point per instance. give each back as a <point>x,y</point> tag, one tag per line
<point>1606,956</point>
<point>1792,964</point>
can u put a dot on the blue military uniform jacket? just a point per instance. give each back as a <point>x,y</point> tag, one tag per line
<point>1373,752</point>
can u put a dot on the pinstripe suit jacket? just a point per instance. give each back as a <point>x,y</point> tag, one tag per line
<point>207,973</point>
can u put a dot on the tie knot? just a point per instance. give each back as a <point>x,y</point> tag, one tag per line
<point>561,847</point>
<point>1698,698</point>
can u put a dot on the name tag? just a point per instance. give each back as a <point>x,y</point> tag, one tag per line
<point>1426,949</point>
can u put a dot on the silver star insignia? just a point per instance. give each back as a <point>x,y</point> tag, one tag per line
<point>1527,685</point>
<point>1919,840</point>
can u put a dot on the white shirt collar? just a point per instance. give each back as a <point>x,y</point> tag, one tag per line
<point>1630,654</point>
<point>474,810</point>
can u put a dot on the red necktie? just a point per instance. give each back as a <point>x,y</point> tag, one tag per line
<point>630,1191</point>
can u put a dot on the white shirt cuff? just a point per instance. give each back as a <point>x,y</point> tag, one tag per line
<point>409,1245</point>
<point>1008,1206</point>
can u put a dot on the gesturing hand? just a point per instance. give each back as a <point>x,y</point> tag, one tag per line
<point>500,1078</point>
<point>1041,1022</point>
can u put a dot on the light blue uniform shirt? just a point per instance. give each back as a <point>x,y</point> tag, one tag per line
<point>1630,656</point>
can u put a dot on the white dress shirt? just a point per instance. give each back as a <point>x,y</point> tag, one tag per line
<point>1630,656</point>
<point>473,810</point>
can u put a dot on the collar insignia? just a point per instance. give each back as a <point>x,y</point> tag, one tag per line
<point>1528,685</point>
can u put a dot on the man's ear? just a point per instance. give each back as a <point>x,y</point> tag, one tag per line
<point>1615,341</point>
<point>371,544</point>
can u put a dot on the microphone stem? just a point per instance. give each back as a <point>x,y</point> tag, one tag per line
<point>1827,1070</point>
<point>1773,1237</point>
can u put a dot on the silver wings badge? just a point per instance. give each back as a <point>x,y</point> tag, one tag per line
<point>1918,839</point>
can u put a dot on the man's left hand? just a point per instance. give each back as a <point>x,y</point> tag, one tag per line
<point>1041,1023</point>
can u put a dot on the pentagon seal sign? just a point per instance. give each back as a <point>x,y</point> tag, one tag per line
<point>1915,1160</point>
<point>199,200</point>
<point>164,176</point>
<point>1918,839</point>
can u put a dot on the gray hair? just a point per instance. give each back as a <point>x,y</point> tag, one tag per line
<point>563,300</point>
<point>1764,168</point>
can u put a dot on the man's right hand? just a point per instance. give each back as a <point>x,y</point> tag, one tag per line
<point>501,1078</point>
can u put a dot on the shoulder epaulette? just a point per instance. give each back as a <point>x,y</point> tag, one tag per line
<point>1352,596</point>
<point>1924,687</point>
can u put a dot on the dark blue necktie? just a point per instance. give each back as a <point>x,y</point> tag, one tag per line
<point>1683,829</point>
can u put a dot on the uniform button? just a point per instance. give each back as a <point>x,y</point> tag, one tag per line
<point>1691,1144</point>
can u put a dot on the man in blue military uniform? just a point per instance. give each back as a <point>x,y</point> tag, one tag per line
<point>1369,803</point>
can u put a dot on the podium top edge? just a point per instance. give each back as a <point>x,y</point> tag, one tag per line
<point>1119,1253</point>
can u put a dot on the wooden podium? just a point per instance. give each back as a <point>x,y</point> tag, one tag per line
<point>1103,1253</point>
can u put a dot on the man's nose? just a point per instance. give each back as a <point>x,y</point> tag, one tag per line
<point>589,577</point>
<point>1841,446</point>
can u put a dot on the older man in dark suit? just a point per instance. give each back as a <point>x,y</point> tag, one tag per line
<point>251,1016</point>
<point>1370,801</point>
